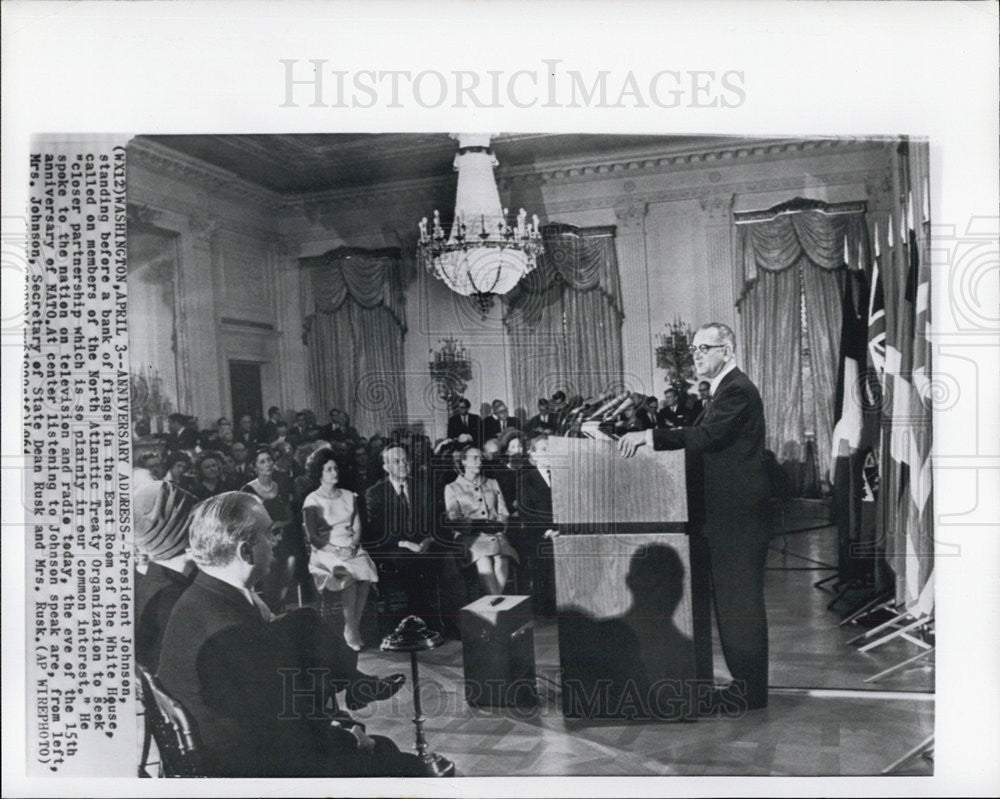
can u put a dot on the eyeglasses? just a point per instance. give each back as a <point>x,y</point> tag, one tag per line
<point>704,348</point>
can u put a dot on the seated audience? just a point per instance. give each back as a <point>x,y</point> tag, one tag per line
<point>177,468</point>
<point>543,422</point>
<point>245,433</point>
<point>399,534</point>
<point>181,435</point>
<point>465,427</point>
<point>242,468</point>
<point>208,478</point>
<point>647,413</point>
<point>274,490</point>
<point>148,469</point>
<point>161,512</point>
<point>297,432</point>
<point>337,562</point>
<point>512,459</point>
<point>498,422</point>
<point>475,503</point>
<point>672,414</point>
<point>270,430</point>
<point>537,528</point>
<point>227,660</point>
<point>221,438</point>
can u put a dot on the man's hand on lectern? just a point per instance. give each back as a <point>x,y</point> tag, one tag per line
<point>630,442</point>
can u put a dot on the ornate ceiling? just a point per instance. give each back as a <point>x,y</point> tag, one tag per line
<point>306,163</point>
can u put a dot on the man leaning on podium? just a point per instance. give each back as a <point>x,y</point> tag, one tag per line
<point>729,439</point>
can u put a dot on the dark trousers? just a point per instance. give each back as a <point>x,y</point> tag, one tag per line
<point>737,571</point>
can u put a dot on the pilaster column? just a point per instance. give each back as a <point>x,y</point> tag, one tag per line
<point>292,369</point>
<point>722,285</point>
<point>198,365</point>
<point>637,328</point>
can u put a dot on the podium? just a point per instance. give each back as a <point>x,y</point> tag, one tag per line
<point>631,594</point>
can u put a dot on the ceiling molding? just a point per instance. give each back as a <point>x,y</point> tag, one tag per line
<point>653,161</point>
<point>315,205</point>
<point>157,158</point>
<point>574,169</point>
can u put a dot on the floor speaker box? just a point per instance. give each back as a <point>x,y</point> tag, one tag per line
<point>498,652</point>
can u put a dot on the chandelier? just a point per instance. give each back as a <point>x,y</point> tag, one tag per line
<point>486,252</point>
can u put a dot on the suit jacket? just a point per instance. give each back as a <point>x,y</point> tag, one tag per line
<point>491,426</point>
<point>667,417</point>
<point>534,501</point>
<point>536,424</point>
<point>389,519</point>
<point>156,593</point>
<point>224,663</point>
<point>474,428</point>
<point>730,440</point>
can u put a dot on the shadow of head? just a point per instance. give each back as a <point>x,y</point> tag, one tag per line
<point>656,579</point>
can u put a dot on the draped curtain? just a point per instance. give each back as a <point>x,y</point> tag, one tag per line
<point>793,257</point>
<point>354,327</point>
<point>564,318</point>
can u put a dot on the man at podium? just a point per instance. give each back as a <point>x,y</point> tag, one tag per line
<point>729,438</point>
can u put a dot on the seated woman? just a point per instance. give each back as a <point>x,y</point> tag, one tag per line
<point>209,479</point>
<point>274,491</point>
<point>476,500</point>
<point>337,562</point>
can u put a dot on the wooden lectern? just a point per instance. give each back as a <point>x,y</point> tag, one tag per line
<point>633,614</point>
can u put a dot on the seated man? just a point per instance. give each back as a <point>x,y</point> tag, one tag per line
<point>465,427</point>
<point>672,414</point>
<point>537,528</point>
<point>399,535</point>
<point>499,421</point>
<point>253,686</point>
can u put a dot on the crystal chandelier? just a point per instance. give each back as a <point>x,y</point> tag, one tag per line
<point>486,253</point>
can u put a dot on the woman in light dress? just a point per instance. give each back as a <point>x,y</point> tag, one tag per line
<point>337,562</point>
<point>477,499</point>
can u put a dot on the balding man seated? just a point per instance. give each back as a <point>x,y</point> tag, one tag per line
<point>399,534</point>
<point>254,687</point>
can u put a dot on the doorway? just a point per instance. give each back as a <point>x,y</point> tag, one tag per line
<point>245,389</point>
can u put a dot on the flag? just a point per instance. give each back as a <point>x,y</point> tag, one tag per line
<point>847,460</point>
<point>907,424</point>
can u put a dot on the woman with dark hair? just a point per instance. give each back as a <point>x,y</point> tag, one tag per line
<point>512,456</point>
<point>177,467</point>
<point>209,479</point>
<point>476,504</point>
<point>337,562</point>
<point>274,491</point>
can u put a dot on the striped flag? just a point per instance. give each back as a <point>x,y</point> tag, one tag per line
<point>907,365</point>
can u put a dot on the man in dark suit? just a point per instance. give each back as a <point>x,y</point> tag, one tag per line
<point>465,424</point>
<point>399,535</point>
<point>499,422</point>
<point>537,528</point>
<point>672,414</point>
<point>544,422</point>
<point>729,437</point>
<point>253,685</point>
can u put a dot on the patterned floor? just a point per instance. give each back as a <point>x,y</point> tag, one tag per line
<point>822,719</point>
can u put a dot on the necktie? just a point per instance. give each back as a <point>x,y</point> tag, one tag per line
<point>404,494</point>
<point>704,411</point>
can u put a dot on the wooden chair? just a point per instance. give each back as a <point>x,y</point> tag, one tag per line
<point>171,728</point>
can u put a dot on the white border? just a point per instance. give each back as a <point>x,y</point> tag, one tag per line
<point>927,68</point>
